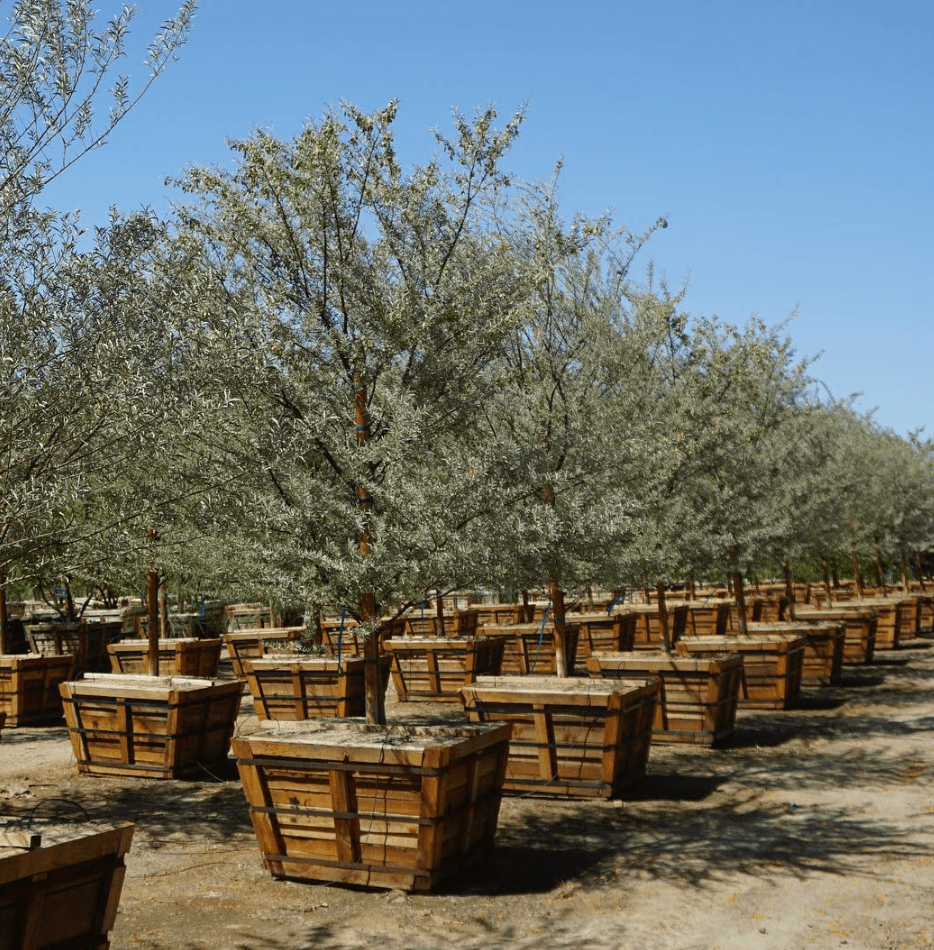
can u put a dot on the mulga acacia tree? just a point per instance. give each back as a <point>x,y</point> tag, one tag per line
<point>54,66</point>
<point>361,303</point>
<point>567,364</point>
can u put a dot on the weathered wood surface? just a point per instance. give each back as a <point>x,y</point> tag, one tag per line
<point>529,648</point>
<point>255,643</point>
<point>182,657</point>
<point>63,895</point>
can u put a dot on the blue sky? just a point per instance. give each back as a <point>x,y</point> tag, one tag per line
<point>790,144</point>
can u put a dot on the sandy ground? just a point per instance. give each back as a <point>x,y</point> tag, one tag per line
<point>812,828</point>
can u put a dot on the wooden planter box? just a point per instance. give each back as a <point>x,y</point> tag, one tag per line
<point>256,643</point>
<point>527,650</point>
<point>859,628</point>
<point>87,643</point>
<point>499,614</point>
<point>701,619</point>
<point>434,669</point>
<point>459,623</point>
<point>888,621</point>
<point>698,698</point>
<point>62,895</point>
<point>292,688</point>
<point>188,657</point>
<point>823,648</point>
<point>604,632</point>
<point>573,738</point>
<point>772,665</point>
<point>385,806</point>
<point>29,687</point>
<point>149,726</point>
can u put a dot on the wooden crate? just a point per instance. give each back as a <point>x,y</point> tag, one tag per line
<point>698,698</point>
<point>87,643</point>
<point>62,895</point>
<point>29,684</point>
<point>434,669</point>
<point>823,648</point>
<point>701,618</point>
<point>395,806</point>
<point>859,628</point>
<point>499,614</point>
<point>573,737</point>
<point>292,688</point>
<point>459,623</point>
<point>246,616</point>
<point>772,665</point>
<point>254,644</point>
<point>183,657</point>
<point>528,649</point>
<point>613,632</point>
<point>888,620</point>
<point>648,632</point>
<point>149,726</point>
<point>909,617</point>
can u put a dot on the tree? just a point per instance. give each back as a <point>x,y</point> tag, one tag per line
<point>360,305</point>
<point>53,69</point>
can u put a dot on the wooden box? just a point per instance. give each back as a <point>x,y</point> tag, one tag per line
<point>29,687</point>
<point>576,738</point>
<point>500,614</point>
<point>435,668</point>
<point>149,726</point>
<point>859,628</point>
<point>62,896</point>
<point>386,806</point>
<point>823,648</point>
<point>293,688</point>
<point>698,698</point>
<point>772,665</point>
<point>183,657</point>
<point>254,644</point>
<point>529,648</point>
<point>613,632</point>
<point>87,643</point>
<point>700,618</point>
<point>458,623</point>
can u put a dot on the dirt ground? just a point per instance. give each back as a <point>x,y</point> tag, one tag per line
<point>812,828</point>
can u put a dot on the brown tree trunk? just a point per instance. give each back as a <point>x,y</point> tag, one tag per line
<point>152,610</point>
<point>4,616</point>
<point>439,611</point>
<point>825,569</point>
<point>375,707</point>
<point>663,617</point>
<point>557,605</point>
<point>789,591</point>
<point>740,594</point>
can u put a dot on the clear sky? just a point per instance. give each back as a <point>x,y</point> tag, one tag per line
<point>790,143</point>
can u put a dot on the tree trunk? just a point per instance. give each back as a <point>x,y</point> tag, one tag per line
<point>439,611</point>
<point>859,577</point>
<point>375,707</point>
<point>825,568</point>
<point>557,605</point>
<point>152,609</point>
<point>789,591</point>
<point>4,616</point>
<point>740,594</point>
<point>663,617</point>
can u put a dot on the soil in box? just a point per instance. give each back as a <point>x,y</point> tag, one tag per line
<point>62,895</point>
<point>182,657</point>
<point>772,665</point>
<point>295,688</point>
<point>698,698</point>
<point>578,738</point>
<point>29,687</point>
<point>434,669</point>
<point>387,806</point>
<point>149,726</point>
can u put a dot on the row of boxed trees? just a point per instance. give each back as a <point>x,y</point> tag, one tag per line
<point>330,380</point>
